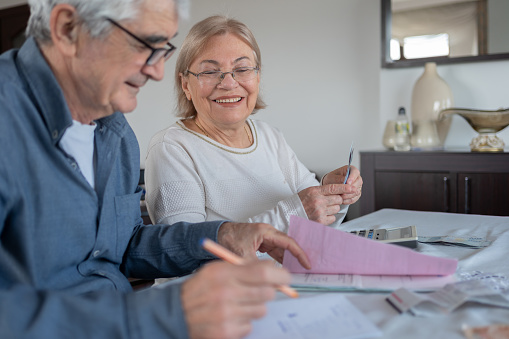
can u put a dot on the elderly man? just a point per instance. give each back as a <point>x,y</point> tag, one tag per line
<point>70,225</point>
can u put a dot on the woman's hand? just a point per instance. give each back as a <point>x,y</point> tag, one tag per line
<point>322,203</point>
<point>354,180</point>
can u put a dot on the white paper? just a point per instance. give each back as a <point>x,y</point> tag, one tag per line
<point>368,283</point>
<point>326,316</point>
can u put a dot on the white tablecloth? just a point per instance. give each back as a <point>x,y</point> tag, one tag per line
<point>491,259</point>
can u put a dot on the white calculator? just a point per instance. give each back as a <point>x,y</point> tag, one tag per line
<point>404,236</point>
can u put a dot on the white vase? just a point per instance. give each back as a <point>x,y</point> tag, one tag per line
<point>389,136</point>
<point>430,95</point>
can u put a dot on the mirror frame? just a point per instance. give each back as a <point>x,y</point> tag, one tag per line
<point>386,57</point>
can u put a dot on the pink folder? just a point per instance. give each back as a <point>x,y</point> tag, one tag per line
<point>333,251</point>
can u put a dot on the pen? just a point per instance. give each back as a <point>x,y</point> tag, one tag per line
<point>232,258</point>
<point>349,163</point>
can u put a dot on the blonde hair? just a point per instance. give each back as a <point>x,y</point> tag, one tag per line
<point>193,45</point>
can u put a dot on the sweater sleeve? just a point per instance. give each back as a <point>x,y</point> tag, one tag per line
<point>175,191</point>
<point>279,216</point>
<point>157,251</point>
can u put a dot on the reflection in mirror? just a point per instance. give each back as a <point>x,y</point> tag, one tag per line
<point>443,31</point>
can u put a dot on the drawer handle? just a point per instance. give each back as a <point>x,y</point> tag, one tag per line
<point>467,195</point>
<point>446,194</point>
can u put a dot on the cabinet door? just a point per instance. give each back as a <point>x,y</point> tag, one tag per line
<point>483,193</point>
<point>420,191</point>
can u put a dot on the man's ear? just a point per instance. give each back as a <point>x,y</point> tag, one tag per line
<point>64,26</point>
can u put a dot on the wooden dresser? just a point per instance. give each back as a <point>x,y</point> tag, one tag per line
<point>440,181</point>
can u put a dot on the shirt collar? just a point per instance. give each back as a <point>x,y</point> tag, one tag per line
<point>44,87</point>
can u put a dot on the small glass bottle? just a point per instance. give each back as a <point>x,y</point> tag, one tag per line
<point>402,139</point>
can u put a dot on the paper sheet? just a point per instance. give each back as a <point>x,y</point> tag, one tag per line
<point>334,251</point>
<point>368,283</point>
<point>326,316</point>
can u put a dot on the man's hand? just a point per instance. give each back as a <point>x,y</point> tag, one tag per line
<point>245,239</point>
<point>221,300</point>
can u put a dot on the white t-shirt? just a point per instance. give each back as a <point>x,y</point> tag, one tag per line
<point>78,142</point>
<point>190,177</point>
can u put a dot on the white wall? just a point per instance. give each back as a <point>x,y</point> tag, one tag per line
<point>320,74</point>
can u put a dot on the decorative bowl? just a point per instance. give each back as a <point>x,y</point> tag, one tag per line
<point>486,123</point>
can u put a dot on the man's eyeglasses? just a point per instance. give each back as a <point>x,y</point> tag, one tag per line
<point>157,53</point>
<point>241,74</point>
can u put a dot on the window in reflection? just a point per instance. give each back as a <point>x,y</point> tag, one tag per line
<point>443,30</point>
<point>395,50</point>
<point>426,46</point>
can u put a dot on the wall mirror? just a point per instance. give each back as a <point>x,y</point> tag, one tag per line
<point>443,31</point>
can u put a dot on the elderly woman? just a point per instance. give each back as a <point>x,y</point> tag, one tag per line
<point>216,163</point>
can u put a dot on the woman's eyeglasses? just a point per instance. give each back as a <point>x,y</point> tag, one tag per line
<point>241,74</point>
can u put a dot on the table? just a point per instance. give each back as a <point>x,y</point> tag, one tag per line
<point>491,259</point>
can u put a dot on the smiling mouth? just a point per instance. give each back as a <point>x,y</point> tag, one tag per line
<point>228,101</point>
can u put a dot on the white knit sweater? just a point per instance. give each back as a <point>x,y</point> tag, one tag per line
<point>190,177</point>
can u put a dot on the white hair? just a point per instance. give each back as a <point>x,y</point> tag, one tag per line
<point>90,12</point>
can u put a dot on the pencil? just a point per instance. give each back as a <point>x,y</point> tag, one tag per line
<point>228,256</point>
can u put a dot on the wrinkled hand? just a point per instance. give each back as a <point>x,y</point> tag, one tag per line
<point>354,181</point>
<point>245,239</point>
<point>321,203</point>
<point>221,300</point>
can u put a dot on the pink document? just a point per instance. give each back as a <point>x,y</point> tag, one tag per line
<point>334,251</point>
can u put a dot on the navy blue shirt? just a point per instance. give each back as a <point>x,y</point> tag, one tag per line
<point>66,249</point>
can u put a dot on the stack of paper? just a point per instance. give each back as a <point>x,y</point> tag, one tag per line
<point>333,251</point>
<point>367,283</point>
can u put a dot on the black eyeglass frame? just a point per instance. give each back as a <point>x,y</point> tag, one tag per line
<point>223,74</point>
<point>156,54</point>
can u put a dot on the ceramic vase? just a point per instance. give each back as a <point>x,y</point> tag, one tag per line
<point>389,136</point>
<point>430,95</point>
